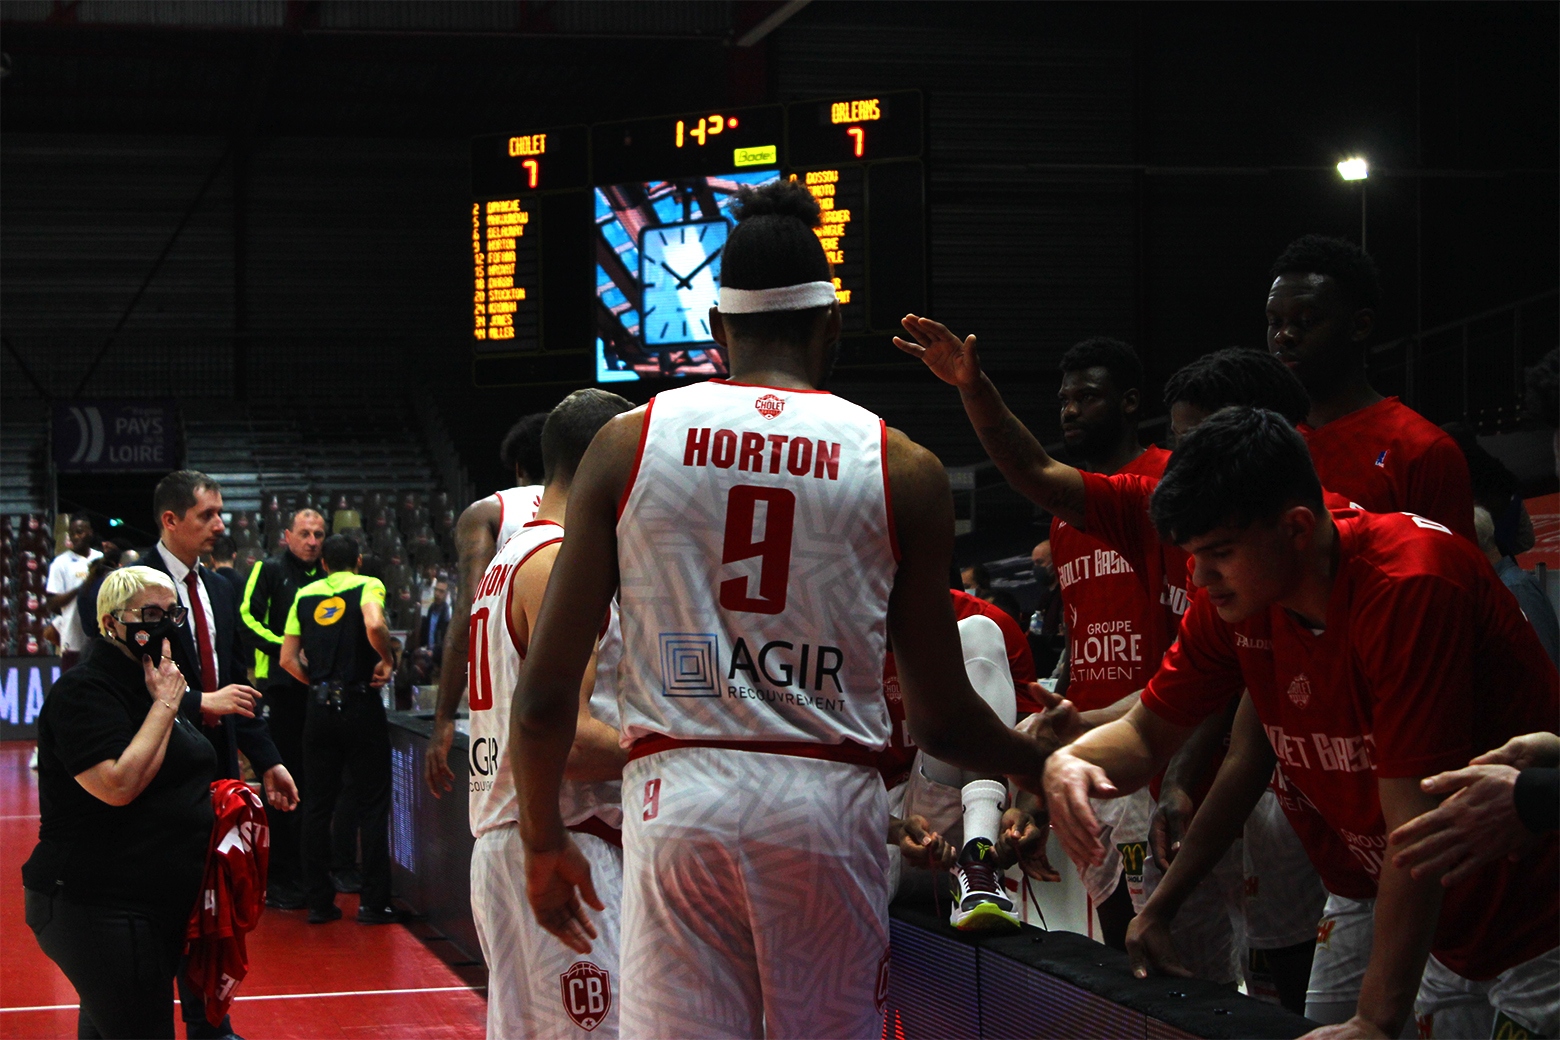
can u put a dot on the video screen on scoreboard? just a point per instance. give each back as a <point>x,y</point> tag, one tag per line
<point>658,248</point>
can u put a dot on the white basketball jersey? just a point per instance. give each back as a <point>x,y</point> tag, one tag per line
<point>756,553</point>
<point>492,673</point>
<point>517,507</point>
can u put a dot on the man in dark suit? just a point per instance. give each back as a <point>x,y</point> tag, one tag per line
<point>434,623</point>
<point>187,508</point>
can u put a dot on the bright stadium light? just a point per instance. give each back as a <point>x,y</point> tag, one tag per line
<point>1355,169</point>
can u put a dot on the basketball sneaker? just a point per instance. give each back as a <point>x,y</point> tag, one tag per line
<point>981,904</point>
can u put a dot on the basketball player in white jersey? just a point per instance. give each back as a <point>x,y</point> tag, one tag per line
<point>762,535</point>
<point>483,527</point>
<point>536,986</point>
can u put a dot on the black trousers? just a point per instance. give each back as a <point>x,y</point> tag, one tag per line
<point>286,711</point>
<point>122,963</point>
<point>344,827</point>
<point>354,736</point>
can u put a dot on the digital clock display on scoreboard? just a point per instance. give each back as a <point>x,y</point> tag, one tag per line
<point>693,144</point>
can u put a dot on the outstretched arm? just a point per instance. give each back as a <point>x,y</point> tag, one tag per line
<point>1241,780</point>
<point>1052,485</point>
<point>475,544</point>
<point>948,719</point>
<point>1115,759</point>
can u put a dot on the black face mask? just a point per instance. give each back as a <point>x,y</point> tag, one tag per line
<point>145,638</point>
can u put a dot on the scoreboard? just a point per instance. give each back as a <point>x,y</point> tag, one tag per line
<point>596,250</point>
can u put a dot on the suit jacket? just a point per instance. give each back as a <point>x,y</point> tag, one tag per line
<point>232,733</point>
<point>440,617</point>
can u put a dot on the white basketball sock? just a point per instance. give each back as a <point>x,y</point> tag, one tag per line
<point>983,803</point>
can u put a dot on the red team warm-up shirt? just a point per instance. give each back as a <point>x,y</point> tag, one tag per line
<point>1426,661</point>
<point>1389,459</point>
<point>1119,621</point>
<point>896,759</point>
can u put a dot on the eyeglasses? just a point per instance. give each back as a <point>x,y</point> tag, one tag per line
<point>151,615</point>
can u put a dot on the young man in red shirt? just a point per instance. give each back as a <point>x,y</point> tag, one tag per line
<point>1373,450</point>
<point>1374,651</point>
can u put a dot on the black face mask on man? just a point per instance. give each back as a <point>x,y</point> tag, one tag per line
<point>145,638</point>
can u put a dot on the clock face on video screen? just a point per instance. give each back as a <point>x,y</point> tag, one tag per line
<point>679,272</point>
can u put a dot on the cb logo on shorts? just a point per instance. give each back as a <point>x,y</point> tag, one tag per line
<point>587,994</point>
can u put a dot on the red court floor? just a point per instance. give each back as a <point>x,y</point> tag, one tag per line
<point>336,980</point>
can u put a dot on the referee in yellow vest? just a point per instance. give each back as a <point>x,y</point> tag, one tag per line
<point>263,607</point>
<point>337,643</point>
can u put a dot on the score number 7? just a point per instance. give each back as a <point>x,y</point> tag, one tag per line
<point>773,550</point>
<point>858,136</point>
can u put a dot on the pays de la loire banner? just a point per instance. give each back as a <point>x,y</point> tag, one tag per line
<point>23,683</point>
<point>116,436</point>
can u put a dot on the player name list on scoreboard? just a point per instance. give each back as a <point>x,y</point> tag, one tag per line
<point>841,194</point>
<point>504,268</point>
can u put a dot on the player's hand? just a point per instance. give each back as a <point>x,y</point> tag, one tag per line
<point>921,846</point>
<point>1172,816</point>
<point>1043,696</point>
<point>556,881</point>
<point>1356,1028</point>
<point>952,360</point>
<point>1058,725</point>
<point>1524,752</point>
<point>1069,784</point>
<point>1021,839</point>
<point>164,681</point>
<point>436,761</point>
<point>280,791</point>
<point>1477,825</point>
<point>233,699</point>
<point>382,671</point>
<point>1150,949</point>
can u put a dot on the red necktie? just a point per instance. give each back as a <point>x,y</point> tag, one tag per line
<point>208,660</point>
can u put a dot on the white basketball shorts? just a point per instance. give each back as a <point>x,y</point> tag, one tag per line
<point>1521,1001</point>
<point>538,987</point>
<point>755,896</point>
<point>1343,940</point>
<point>1284,895</point>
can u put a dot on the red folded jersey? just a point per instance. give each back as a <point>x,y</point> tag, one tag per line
<point>231,898</point>
<point>896,759</point>
<point>1426,661</point>
<point>1111,576</point>
<point>1390,459</point>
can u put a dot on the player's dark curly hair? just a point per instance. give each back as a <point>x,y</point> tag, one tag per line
<point>1116,357</point>
<point>772,245</point>
<point>1239,376</point>
<point>522,446</point>
<point>1240,466</point>
<point>1344,262</point>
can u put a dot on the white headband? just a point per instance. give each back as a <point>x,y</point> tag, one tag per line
<point>781,298</point>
